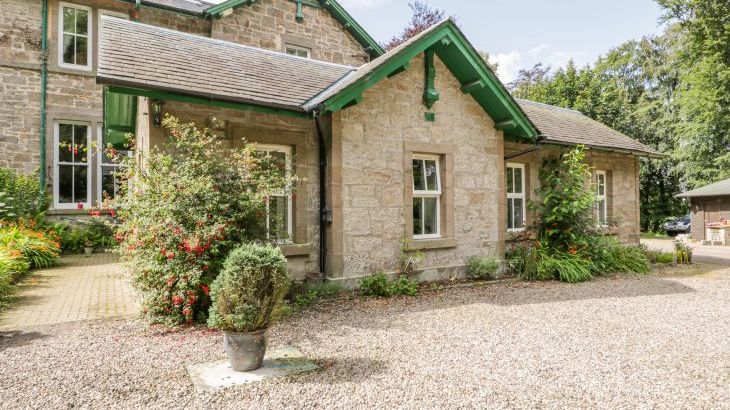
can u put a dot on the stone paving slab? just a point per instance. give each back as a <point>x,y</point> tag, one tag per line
<point>79,288</point>
<point>278,363</point>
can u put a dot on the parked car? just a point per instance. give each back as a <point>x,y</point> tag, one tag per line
<point>678,226</point>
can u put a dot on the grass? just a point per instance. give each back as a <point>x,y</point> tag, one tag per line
<point>654,235</point>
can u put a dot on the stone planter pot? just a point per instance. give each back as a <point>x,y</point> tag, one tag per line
<point>245,351</point>
<point>88,250</point>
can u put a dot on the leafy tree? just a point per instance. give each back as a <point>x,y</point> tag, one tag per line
<point>185,210</point>
<point>424,16</point>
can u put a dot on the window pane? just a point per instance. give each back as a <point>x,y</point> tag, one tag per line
<point>82,22</point>
<point>418,216</point>
<point>519,217</point>
<point>601,184</point>
<point>65,184</point>
<point>279,217</point>
<point>602,211</point>
<point>80,150</point>
<point>430,215</point>
<point>518,180</point>
<point>431,176</point>
<point>419,184</point>
<point>303,53</point>
<point>510,214</point>
<point>108,182</point>
<point>68,19</point>
<point>68,49</point>
<point>81,43</point>
<point>510,180</point>
<point>65,142</point>
<point>80,188</point>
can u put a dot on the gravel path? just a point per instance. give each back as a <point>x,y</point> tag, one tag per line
<point>647,342</point>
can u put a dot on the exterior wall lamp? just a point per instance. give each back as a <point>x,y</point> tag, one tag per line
<point>157,112</point>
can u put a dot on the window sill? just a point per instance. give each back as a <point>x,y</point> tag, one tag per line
<point>296,249</point>
<point>422,244</point>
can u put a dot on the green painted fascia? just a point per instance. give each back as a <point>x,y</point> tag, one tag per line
<point>441,39</point>
<point>217,10</point>
<point>357,31</point>
<point>170,96</point>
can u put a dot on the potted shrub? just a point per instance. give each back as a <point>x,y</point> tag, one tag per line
<point>247,298</point>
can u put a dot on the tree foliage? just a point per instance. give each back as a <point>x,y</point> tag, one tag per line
<point>671,92</point>
<point>424,16</point>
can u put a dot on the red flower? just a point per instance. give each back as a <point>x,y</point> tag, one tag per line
<point>205,288</point>
<point>95,213</point>
<point>80,205</point>
<point>170,256</point>
<point>177,300</point>
<point>112,213</point>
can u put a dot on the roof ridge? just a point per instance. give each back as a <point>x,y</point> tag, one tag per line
<point>557,107</point>
<point>224,42</point>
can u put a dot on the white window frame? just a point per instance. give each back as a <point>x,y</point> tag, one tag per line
<point>287,150</point>
<point>298,48</point>
<point>57,163</point>
<point>429,194</point>
<point>100,163</point>
<point>601,197</point>
<point>89,37</point>
<point>513,195</point>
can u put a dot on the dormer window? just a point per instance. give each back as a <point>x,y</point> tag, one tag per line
<point>298,51</point>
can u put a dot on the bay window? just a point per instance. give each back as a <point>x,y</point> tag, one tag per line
<point>426,197</point>
<point>516,199</point>
<point>71,159</point>
<point>74,36</point>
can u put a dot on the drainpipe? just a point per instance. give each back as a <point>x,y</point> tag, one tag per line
<point>323,211</point>
<point>44,81</point>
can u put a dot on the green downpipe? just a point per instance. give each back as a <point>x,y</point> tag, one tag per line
<point>44,81</point>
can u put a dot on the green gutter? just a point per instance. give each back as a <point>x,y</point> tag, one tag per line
<point>44,83</point>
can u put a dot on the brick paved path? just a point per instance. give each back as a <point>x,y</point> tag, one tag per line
<point>80,288</point>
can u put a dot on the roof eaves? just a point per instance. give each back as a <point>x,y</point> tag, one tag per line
<point>157,5</point>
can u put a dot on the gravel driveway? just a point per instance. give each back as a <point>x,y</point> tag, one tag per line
<point>647,342</point>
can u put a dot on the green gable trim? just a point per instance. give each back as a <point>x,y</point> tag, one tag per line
<point>465,64</point>
<point>430,95</point>
<point>172,96</point>
<point>340,14</point>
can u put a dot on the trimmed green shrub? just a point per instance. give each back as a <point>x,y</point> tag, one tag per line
<point>376,285</point>
<point>249,292</point>
<point>563,266</point>
<point>482,267</point>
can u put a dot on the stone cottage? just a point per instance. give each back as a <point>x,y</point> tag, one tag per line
<point>420,147</point>
<point>710,212</point>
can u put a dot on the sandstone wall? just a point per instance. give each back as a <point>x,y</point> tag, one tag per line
<point>373,143</point>
<point>622,190</point>
<point>271,24</point>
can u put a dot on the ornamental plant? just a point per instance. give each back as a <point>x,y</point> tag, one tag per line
<point>248,295</point>
<point>566,217</point>
<point>190,202</point>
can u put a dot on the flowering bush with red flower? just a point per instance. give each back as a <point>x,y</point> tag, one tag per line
<point>190,203</point>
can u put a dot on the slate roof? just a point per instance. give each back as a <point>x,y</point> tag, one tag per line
<point>563,126</point>
<point>191,6</point>
<point>138,55</point>
<point>717,189</point>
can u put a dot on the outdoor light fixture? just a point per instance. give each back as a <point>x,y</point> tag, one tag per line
<point>157,112</point>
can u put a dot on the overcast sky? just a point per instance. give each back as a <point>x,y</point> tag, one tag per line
<point>520,33</point>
